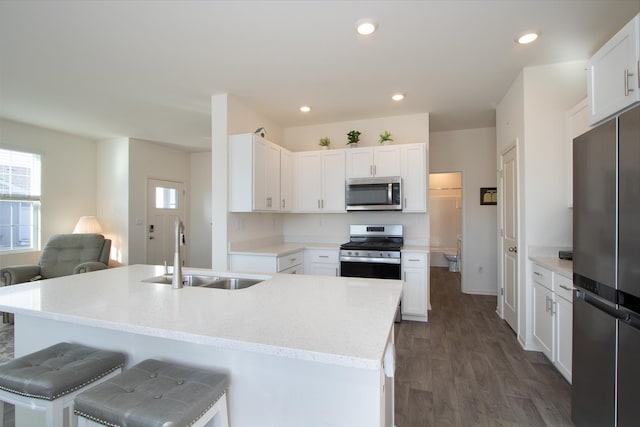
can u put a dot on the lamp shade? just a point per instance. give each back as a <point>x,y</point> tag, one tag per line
<point>87,224</point>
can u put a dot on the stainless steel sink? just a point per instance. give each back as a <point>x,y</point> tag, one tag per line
<point>207,281</point>
<point>232,283</point>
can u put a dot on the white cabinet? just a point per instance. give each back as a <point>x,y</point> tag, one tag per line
<point>319,181</point>
<point>373,161</point>
<point>543,327</point>
<point>254,263</point>
<point>322,262</point>
<point>564,324</point>
<point>254,174</point>
<point>614,73</point>
<point>415,288</point>
<point>553,317</point>
<point>414,177</point>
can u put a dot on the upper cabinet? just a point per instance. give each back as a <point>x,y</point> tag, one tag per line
<point>414,175</point>
<point>319,181</point>
<point>577,124</point>
<point>373,161</point>
<point>254,174</point>
<point>286,181</point>
<point>614,74</point>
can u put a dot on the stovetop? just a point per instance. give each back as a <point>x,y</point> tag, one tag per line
<point>373,245</point>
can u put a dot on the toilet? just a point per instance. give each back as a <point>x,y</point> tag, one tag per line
<point>454,258</point>
<point>453,261</point>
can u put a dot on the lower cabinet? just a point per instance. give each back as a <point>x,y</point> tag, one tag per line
<point>415,290</point>
<point>290,263</point>
<point>553,317</point>
<point>322,262</point>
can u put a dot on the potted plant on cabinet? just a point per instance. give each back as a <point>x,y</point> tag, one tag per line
<point>324,143</point>
<point>354,137</point>
<point>385,138</point>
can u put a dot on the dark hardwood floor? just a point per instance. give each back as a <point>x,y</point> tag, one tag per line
<point>465,367</point>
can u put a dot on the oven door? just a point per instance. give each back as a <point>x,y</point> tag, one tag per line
<point>371,270</point>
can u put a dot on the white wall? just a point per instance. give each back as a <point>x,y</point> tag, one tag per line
<point>152,160</point>
<point>472,152</point>
<point>112,173</point>
<point>230,116</point>
<point>407,129</point>
<point>534,112</point>
<point>68,178</point>
<point>201,206</point>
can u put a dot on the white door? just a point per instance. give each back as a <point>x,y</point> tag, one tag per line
<point>165,203</point>
<point>510,238</point>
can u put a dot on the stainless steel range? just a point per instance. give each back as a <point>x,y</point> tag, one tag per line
<point>373,251</point>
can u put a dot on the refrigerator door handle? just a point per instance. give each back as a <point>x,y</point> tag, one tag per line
<point>602,306</point>
<point>633,321</point>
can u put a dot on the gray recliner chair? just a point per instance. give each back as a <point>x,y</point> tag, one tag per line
<point>62,255</point>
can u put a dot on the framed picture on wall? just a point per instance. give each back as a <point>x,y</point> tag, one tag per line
<point>488,196</point>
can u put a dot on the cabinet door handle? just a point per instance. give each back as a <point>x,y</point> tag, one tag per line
<point>371,170</point>
<point>538,274</point>
<point>323,256</point>
<point>283,204</point>
<point>293,259</point>
<point>627,89</point>
<point>566,288</point>
<point>553,307</point>
<point>546,304</point>
<point>336,271</point>
<point>405,202</point>
<point>375,171</point>
<point>413,260</point>
<point>318,203</point>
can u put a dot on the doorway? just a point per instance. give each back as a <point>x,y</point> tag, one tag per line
<point>165,203</point>
<point>445,220</point>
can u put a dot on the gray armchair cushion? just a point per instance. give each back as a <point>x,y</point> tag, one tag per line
<point>63,255</point>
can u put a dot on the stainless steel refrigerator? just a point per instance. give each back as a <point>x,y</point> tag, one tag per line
<point>606,274</point>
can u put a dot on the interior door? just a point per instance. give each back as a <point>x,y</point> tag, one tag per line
<point>509,239</point>
<point>165,203</point>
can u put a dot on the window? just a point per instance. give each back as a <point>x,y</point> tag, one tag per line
<point>19,201</point>
<point>166,198</point>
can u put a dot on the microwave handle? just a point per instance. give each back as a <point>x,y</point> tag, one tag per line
<point>389,193</point>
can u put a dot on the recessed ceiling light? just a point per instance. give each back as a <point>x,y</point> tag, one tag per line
<point>365,27</point>
<point>527,38</point>
<point>305,108</point>
<point>398,97</point>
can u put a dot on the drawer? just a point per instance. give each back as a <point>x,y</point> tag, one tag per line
<point>564,287</point>
<point>328,256</point>
<point>296,269</point>
<point>288,261</point>
<point>414,260</point>
<point>543,276</point>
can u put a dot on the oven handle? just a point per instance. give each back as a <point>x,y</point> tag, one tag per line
<point>371,260</point>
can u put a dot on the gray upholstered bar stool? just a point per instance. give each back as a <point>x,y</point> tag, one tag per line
<point>49,379</point>
<point>156,393</point>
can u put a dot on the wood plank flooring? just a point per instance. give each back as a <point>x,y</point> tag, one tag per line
<point>465,367</point>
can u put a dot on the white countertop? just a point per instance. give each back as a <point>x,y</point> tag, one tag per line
<point>560,266</point>
<point>281,249</point>
<point>334,320</point>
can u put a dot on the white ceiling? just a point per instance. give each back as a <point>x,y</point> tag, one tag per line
<point>147,69</point>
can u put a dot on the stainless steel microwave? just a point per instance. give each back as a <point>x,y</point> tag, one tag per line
<point>374,194</point>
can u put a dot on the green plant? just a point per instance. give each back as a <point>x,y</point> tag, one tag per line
<point>324,142</point>
<point>354,137</point>
<point>385,136</point>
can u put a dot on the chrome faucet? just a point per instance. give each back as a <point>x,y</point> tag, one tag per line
<point>176,282</point>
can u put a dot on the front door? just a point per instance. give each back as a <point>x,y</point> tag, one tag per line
<point>165,203</point>
<point>509,238</point>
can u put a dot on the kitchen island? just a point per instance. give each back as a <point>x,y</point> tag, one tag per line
<point>300,350</point>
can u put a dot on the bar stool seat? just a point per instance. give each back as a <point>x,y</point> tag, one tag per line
<point>49,379</point>
<point>156,393</point>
